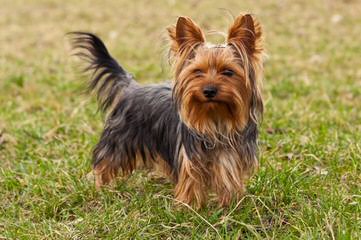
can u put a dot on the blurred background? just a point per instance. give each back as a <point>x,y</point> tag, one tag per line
<point>310,136</point>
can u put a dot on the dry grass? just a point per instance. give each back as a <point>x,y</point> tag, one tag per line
<point>309,182</point>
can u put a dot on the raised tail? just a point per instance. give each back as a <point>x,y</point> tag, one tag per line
<point>108,77</point>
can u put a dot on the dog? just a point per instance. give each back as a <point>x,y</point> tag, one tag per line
<point>199,129</point>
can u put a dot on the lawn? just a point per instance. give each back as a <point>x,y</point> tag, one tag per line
<point>308,184</point>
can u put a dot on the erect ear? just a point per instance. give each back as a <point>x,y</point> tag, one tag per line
<point>186,34</point>
<point>245,34</point>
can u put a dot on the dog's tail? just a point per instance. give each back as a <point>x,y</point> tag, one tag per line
<point>108,77</point>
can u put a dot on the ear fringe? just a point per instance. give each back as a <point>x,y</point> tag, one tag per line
<point>173,42</point>
<point>257,64</point>
<point>258,46</point>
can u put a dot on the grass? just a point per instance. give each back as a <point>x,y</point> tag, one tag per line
<point>308,185</point>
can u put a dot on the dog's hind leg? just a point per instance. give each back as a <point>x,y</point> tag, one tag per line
<point>110,159</point>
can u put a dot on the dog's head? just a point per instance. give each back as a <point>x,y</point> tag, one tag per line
<point>217,86</point>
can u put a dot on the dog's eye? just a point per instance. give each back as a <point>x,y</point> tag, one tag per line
<point>228,73</point>
<point>198,72</point>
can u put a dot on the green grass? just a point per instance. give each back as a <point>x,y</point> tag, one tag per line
<point>308,185</point>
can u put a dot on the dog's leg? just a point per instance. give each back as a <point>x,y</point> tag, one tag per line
<point>104,173</point>
<point>228,178</point>
<point>190,185</point>
<point>226,193</point>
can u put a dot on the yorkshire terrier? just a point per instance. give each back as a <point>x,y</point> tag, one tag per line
<point>201,129</point>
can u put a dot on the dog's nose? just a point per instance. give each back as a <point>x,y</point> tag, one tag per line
<point>210,91</point>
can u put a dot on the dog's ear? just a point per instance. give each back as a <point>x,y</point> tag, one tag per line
<point>245,34</point>
<point>185,35</point>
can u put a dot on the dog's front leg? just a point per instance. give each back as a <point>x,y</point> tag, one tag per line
<point>190,187</point>
<point>228,177</point>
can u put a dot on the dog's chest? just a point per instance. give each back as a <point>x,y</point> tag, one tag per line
<point>217,153</point>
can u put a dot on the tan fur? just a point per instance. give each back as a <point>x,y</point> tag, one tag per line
<point>162,169</point>
<point>231,111</point>
<point>197,65</point>
<point>192,55</point>
<point>246,32</point>
<point>246,36</point>
<point>229,176</point>
<point>104,173</point>
<point>224,173</point>
<point>191,186</point>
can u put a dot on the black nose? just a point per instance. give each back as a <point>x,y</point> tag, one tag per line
<point>209,91</point>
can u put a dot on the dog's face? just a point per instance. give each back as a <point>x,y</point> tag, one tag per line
<point>215,85</point>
